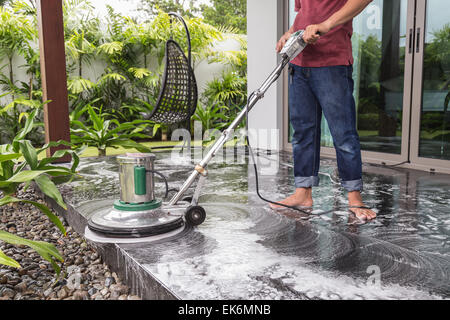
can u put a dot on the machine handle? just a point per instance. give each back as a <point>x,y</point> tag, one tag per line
<point>140,181</point>
<point>410,40</point>
<point>418,41</point>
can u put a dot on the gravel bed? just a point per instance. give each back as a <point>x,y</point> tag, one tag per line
<point>83,274</point>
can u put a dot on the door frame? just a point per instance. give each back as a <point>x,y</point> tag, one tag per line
<point>420,32</point>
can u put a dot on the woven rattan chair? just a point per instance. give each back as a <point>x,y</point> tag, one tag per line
<point>178,97</point>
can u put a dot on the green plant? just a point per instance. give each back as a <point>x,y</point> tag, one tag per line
<point>211,116</point>
<point>103,133</point>
<point>44,249</point>
<point>152,7</point>
<point>226,13</point>
<point>12,115</point>
<point>229,90</point>
<point>132,52</point>
<point>16,33</point>
<point>20,163</point>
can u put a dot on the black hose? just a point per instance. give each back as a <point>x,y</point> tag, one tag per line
<point>165,181</point>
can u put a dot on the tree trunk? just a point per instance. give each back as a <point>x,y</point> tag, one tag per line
<point>11,79</point>
<point>80,65</point>
<point>145,58</point>
<point>11,73</point>
<point>102,152</point>
<point>30,93</point>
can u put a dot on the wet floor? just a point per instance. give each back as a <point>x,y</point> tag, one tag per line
<point>245,250</point>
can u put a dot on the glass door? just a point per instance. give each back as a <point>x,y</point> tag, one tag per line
<point>382,72</point>
<point>430,130</point>
<point>379,49</point>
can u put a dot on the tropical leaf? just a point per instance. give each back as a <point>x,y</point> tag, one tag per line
<point>45,250</point>
<point>25,176</point>
<point>7,157</point>
<point>7,261</point>
<point>79,85</point>
<point>96,120</point>
<point>127,143</point>
<point>139,73</point>
<point>48,187</point>
<point>29,153</point>
<point>53,218</point>
<point>27,127</point>
<point>111,48</point>
<point>111,77</point>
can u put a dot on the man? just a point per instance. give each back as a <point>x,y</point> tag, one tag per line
<point>321,81</point>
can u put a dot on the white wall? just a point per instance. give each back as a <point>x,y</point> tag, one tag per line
<point>205,72</point>
<point>264,28</point>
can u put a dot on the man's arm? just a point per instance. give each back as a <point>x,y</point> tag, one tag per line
<point>350,10</point>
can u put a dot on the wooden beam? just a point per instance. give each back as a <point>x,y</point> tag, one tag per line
<point>53,73</point>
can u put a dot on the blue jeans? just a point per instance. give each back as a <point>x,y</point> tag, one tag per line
<point>328,90</point>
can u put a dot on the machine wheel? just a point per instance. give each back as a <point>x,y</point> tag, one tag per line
<point>195,215</point>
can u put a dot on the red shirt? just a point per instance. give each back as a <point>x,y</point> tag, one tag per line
<point>332,49</point>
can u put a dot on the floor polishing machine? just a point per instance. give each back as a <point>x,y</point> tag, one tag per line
<point>139,213</point>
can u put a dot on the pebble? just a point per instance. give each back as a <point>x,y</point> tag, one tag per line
<point>80,295</point>
<point>23,272</point>
<point>72,269</point>
<point>22,286</point>
<point>109,281</point>
<point>62,293</point>
<point>116,278</point>
<point>92,291</point>
<point>37,280</point>
<point>48,292</point>
<point>7,292</point>
<point>120,288</point>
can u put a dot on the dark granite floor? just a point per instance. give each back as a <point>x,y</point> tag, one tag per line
<point>245,250</point>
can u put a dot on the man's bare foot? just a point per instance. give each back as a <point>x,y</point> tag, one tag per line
<point>355,200</point>
<point>301,198</point>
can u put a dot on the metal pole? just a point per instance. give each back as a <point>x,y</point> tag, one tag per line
<point>254,98</point>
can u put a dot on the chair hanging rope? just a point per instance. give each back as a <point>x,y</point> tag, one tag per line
<point>178,97</point>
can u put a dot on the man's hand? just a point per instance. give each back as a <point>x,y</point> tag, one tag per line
<point>350,10</point>
<point>282,41</point>
<point>314,31</point>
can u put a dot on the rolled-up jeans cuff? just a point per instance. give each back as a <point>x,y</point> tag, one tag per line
<point>306,182</point>
<point>353,185</point>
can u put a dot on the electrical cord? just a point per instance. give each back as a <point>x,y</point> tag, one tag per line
<point>336,182</point>
<point>394,165</point>
<point>256,167</point>
<point>165,181</point>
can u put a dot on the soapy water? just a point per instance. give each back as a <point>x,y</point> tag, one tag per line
<point>252,253</point>
<point>245,250</point>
